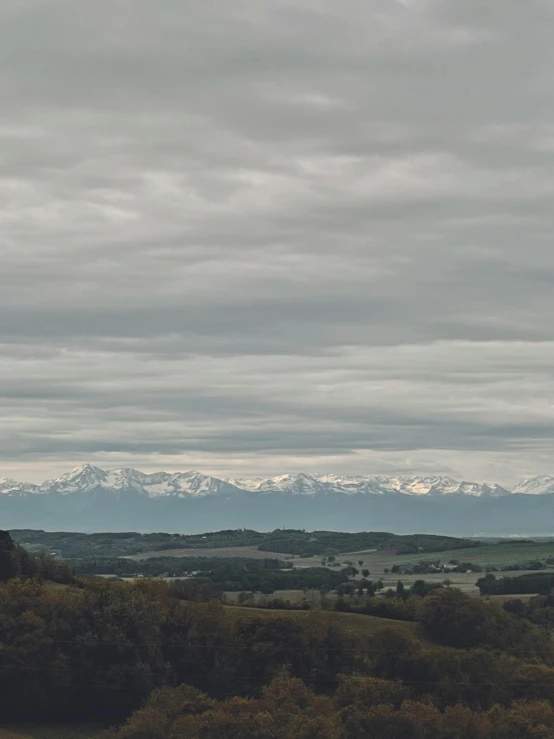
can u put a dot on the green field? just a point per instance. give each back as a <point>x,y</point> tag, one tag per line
<point>224,552</point>
<point>377,561</point>
<point>492,554</point>
<point>496,555</point>
<point>355,623</point>
<point>488,554</point>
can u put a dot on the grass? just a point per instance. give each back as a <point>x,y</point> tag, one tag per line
<point>354,623</point>
<point>490,554</point>
<point>225,552</point>
<point>494,554</point>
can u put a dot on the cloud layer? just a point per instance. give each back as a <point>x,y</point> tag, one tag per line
<point>268,235</point>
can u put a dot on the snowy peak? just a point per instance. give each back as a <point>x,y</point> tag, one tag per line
<point>441,486</point>
<point>418,485</point>
<point>182,483</point>
<point>301,484</point>
<point>541,485</point>
<point>12,486</point>
<point>304,484</point>
<point>86,478</point>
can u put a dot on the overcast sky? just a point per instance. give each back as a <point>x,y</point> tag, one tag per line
<point>264,236</point>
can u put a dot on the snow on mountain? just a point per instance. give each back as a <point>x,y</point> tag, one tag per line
<point>304,484</point>
<point>87,477</point>
<point>281,484</point>
<point>189,484</point>
<point>440,486</point>
<point>378,484</point>
<point>12,486</point>
<point>81,478</point>
<point>541,485</point>
<point>418,485</point>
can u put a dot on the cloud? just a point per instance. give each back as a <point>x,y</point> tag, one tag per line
<point>257,236</point>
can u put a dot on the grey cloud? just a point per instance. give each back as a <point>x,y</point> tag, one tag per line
<point>277,234</point>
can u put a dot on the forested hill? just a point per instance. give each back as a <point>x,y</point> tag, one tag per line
<point>280,541</point>
<point>140,658</point>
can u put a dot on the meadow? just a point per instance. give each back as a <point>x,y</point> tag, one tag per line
<point>225,553</point>
<point>380,562</point>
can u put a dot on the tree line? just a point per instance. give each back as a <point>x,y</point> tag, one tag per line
<point>231,574</point>
<point>361,708</point>
<point>15,561</point>
<point>71,545</point>
<point>159,667</point>
<point>531,583</point>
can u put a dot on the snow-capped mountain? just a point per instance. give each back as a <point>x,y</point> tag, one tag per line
<point>182,484</point>
<point>12,486</point>
<point>541,485</point>
<point>440,486</point>
<point>303,484</point>
<point>92,499</point>
<point>87,477</point>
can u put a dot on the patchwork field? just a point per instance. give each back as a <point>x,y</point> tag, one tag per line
<point>249,552</point>
<point>377,562</point>
<point>491,554</point>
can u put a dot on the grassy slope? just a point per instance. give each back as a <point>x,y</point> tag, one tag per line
<point>224,552</point>
<point>493,554</point>
<point>353,622</point>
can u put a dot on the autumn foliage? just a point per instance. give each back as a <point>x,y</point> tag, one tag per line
<point>162,668</point>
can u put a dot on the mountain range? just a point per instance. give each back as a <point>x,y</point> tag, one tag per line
<point>92,499</point>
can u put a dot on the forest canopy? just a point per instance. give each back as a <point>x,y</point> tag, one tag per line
<point>157,666</point>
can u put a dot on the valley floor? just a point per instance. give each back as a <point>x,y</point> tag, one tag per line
<point>377,562</point>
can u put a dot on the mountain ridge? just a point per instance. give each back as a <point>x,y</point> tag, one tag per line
<point>193,483</point>
<point>89,499</point>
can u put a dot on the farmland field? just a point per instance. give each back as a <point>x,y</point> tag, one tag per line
<point>250,552</point>
<point>493,554</point>
<point>489,554</point>
<point>497,555</point>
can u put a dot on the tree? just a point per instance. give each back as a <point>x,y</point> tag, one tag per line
<point>360,562</point>
<point>8,564</point>
<point>545,619</point>
<point>369,691</point>
<point>350,571</point>
<point>400,590</point>
<point>366,572</point>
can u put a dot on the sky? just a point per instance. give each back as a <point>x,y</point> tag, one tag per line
<point>268,236</point>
